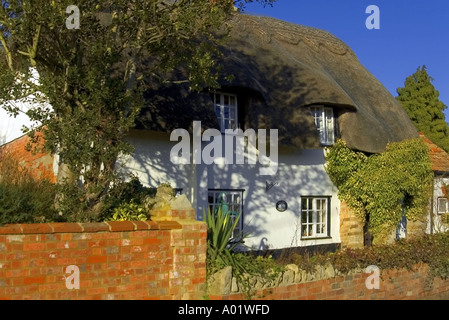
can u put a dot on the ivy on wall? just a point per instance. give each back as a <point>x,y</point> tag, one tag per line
<point>381,188</point>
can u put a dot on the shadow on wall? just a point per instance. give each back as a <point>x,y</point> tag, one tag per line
<point>300,170</point>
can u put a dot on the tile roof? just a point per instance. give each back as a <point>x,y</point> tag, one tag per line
<point>439,157</point>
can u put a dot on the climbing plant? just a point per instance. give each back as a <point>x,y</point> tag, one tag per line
<point>383,187</point>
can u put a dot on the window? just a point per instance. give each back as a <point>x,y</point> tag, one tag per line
<point>442,205</point>
<point>315,217</point>
<point>231,202</point>
<point>226,110</point>
<point>325,123</point>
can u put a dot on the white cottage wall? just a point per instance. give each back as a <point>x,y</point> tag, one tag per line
<point>437,223</point>
<point>300,173</point>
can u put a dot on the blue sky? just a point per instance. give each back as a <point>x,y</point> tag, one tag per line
<point>412,33</point>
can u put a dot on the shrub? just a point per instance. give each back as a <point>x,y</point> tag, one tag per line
<point>221,252</point>
<point>130,212</point>
<point>432,250</point>
<point>125,198</point>
<point>23,197</point>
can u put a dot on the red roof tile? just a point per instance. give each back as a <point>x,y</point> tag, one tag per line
<point>438,157</point>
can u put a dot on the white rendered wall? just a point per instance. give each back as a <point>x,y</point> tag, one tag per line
<point>300,173</point>
<point>438,226</point>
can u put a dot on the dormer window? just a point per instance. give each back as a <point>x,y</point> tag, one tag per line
<point>325,123</point>
<point>226,110</point>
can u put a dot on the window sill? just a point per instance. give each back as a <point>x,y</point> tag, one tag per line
<point>316,238</point>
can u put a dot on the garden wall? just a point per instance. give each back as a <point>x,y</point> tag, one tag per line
<point>324,284</point>
<point>165,259</point>
<point>161,259</point>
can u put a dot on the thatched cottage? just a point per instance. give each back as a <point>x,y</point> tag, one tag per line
<point>303,82</point>
<point>305,88</point>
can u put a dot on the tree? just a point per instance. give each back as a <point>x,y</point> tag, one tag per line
<point>86,67</point>
<point>421,101</point>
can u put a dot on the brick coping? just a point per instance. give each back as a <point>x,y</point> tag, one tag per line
<point>73,227</point>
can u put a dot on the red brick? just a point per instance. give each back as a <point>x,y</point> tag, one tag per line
<point>120,226</point>
<point>36,228</point>
<point>34,246</point>
<point>94,227</point>
<point>96,259</point>
<point>11,229</point>
<point>32,280</point>
<point>66,227</point>
<point>169,225</point>
<point>152,241</point>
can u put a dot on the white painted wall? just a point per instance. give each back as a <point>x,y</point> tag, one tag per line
<point>438,226</point>
<point>300,173</point>
<point>11,126</point>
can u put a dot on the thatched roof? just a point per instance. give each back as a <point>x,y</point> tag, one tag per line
<point>291,67</point>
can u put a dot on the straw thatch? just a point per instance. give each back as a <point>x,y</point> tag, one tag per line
<point>279,69</point>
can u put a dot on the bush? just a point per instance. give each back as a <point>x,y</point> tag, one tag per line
<point>127,199</point>
<point>221,252</point>
<point>130,212</point>
<point>432,250</point>
<point>24,198</point>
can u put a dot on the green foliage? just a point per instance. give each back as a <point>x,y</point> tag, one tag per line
<point>130,212</point>
<point>23,198</point>
<point>124,195</point>
<point>380,186</point>
<point>403,254</point>
<point>221,252</point>
<point>421,101</point>
<point>94,77</point>
<point>220,240</point>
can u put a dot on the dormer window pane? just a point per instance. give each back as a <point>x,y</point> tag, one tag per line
<point>226,110</point>
<point>325,123</point>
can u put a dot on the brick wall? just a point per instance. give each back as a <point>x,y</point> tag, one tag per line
<point>40,163</point>
<point>393,285</point>
<point>116,260</point>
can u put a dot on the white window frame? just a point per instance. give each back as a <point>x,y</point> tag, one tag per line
<point>442,205</point>
<point>234,201</point>
<point>226,109</point>
<point>325,122</point>
<point>315,217</point>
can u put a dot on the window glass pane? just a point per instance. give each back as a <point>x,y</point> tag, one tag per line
<point>303,204</point>
<point>226,110</point>
<point>314,217</point>
<point>230,202</point>
<point>232,113</point>
<point>442,205</point>
<point>324,121</point>
<point>226,100</point>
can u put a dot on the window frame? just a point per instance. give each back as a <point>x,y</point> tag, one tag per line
<point>239,228</point>
<point>231,107</point>
<point>315,223</point>
<point>327,130</point>
<point>446,204</point>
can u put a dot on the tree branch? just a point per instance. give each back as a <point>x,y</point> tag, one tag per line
<point>7,52</point>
